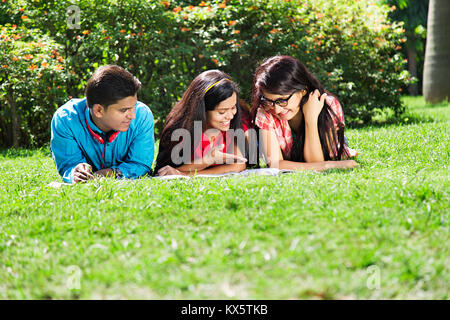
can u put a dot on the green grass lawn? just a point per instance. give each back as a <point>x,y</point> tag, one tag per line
<point>379,231</point>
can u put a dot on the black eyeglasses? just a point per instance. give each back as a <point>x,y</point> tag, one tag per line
<point>267,103</point>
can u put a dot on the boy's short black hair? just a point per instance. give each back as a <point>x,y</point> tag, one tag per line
<point>110,84</point>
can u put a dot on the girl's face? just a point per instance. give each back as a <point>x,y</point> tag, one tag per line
<point>269,102</point>
<point>220,118</point>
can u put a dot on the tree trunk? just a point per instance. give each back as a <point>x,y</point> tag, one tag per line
<point>436,84</point>
<point>412,63</point>
<point>4,141</point>
<point>14,120</point>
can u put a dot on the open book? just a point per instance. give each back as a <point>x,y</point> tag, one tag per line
<point>259,172</point>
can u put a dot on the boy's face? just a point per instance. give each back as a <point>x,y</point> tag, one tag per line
<point>117,116</point>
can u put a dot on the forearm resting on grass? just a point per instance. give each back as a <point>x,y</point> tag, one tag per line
<point>317,166</point>
<point>278,162</point>
<point>193,166</point>
<point>274,157</point>
<point>224,168</point>
<point>228,162</point>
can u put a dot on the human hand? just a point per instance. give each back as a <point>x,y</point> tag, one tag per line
<point>216,156</point>
<point>168,170</point>
<point>104,173</point>
<point>82,173</point>
<point>313,107</point>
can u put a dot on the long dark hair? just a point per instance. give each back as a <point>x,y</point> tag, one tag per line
<point>285,75</point>
<point>192,107</point>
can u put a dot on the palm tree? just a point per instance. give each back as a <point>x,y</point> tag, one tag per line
<point>436,78</point>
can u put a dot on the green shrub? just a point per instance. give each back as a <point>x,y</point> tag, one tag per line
<point>350,46</point>
<point>32,85</point>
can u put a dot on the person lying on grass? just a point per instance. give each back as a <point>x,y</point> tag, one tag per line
<point>108,133</point>
<point>301,124</point>
<point>207,111</point>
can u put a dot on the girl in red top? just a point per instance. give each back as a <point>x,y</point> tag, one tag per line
<point>301,124</point>
<point>210,103</point>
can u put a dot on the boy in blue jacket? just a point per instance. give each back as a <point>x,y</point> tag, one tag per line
<point>108,133</point>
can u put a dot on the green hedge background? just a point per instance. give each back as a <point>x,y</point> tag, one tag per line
<point>351,46</point>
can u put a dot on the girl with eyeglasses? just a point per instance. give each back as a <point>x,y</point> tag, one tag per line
<point>211,101</point>
<point>301,124</point>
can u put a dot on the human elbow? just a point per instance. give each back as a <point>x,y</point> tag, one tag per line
<point>240,167</point>
<point>273,164</point>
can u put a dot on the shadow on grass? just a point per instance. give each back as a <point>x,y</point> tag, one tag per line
<point>24,153</point>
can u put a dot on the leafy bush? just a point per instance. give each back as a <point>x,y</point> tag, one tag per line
<point>32,85</point>
<point>351,47</point>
